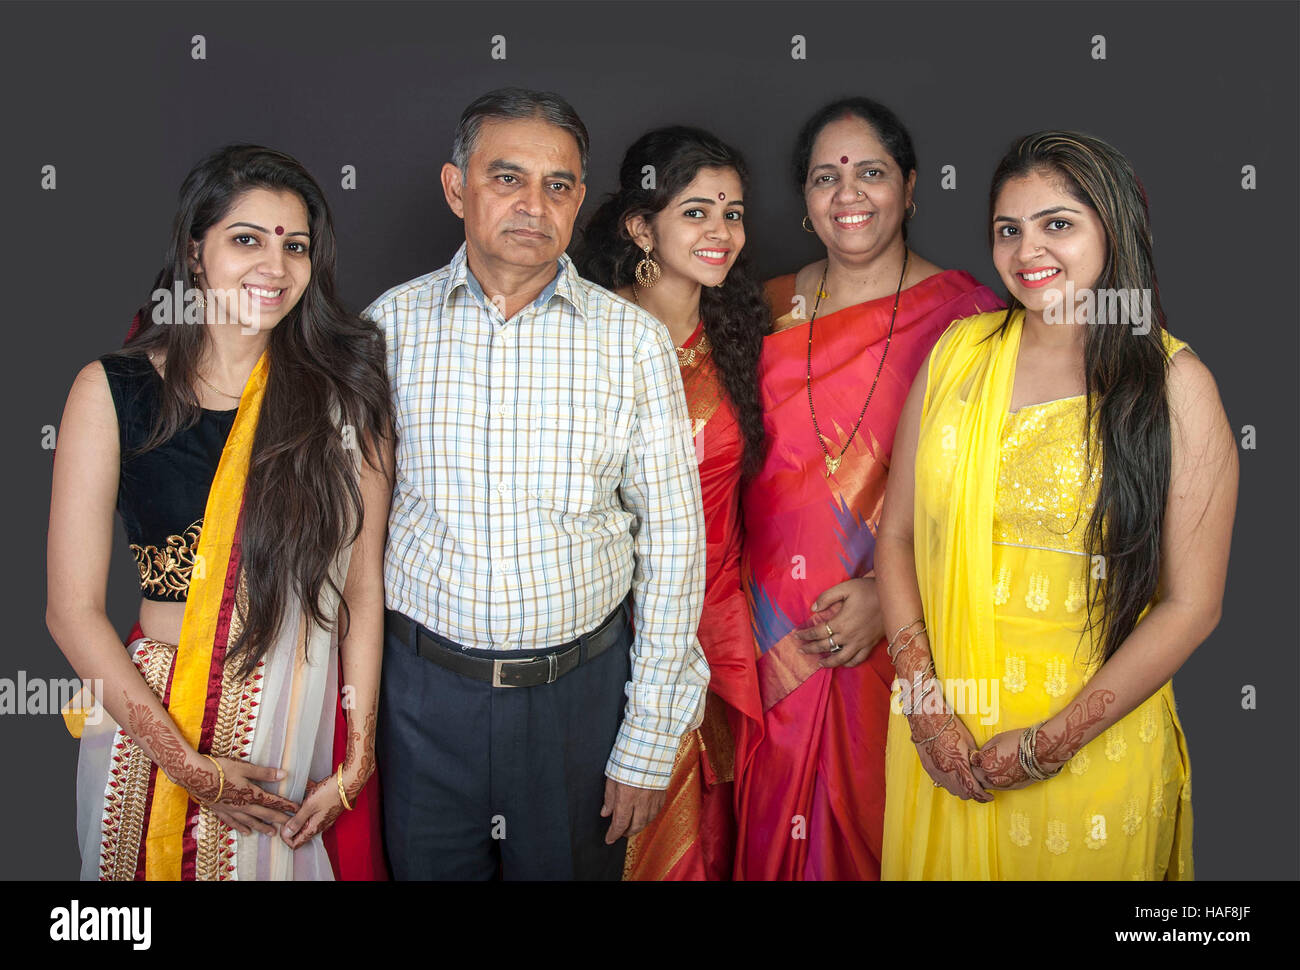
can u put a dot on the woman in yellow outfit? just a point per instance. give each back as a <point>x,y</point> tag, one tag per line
<point>1042,585</point>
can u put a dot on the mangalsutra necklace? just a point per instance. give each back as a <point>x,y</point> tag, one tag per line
<point>833,462</point>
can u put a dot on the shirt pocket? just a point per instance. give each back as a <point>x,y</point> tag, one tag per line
<point>577,457</point>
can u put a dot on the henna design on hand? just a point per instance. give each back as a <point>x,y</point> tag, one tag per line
<point>1002,771</point>
<point>168,751</point>
<point>1059,748</point>
<point>945,752</point>
<point>365,741</point>
<point>321,822</point>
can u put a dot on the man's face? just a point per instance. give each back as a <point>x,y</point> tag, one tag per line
<point>520,193</point>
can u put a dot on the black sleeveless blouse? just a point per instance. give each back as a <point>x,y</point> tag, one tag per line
<point>162,494</point>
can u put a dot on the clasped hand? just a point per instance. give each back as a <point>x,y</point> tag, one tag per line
<point>846,623</point>
<point>965,769</point>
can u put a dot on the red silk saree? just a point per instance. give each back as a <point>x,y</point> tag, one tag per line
<point>810,776</point>
<point>694,836</point>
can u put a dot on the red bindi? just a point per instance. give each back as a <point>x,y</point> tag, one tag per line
<point>279,230</point>
<point>844,159</point>
<point>722,195</point>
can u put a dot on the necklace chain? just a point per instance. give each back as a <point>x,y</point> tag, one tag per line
<point>233,397</point>
<point>833,462</point>
<point>686,356</point>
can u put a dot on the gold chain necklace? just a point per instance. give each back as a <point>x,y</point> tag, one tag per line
<point>833,463</point>
<point>233,397</point>
<point>685,355</point>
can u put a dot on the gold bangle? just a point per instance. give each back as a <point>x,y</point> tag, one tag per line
<point>343,795</point>
<point>221,780</point>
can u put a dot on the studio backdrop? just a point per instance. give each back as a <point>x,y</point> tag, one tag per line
<point>108,105</point>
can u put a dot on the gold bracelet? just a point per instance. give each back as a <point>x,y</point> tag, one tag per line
<point>221,780</point>
<point>343,796</point>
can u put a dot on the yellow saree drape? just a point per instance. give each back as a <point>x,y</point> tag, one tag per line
<point>1002,503</point>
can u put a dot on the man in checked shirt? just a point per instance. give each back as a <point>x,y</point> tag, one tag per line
<point>546,487</point>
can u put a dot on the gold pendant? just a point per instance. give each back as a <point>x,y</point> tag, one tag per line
<point>832,464</point>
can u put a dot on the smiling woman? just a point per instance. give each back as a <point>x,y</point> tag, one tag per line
<point>851,331</point>
<point>249,459</point>
<point>1071,550</point>
<point>676,249</point>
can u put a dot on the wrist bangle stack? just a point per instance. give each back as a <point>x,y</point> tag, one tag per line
<point>343,795</point>
<point>221,780</point>
<point>1029,760</point>
<point>915,704</point>
<point>893,654</point>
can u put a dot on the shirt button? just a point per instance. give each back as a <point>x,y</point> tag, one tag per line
<point>501,487</point>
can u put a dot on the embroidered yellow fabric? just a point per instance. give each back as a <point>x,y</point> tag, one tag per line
<point>1003,501</point>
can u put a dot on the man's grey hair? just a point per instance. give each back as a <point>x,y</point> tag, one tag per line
<point>516,104</point>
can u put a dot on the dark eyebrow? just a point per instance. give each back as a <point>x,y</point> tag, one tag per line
<point>251,225</point>
<point>703,201</point>
<point>866,161</point>
<point>501,165</point>
<point>1038,215</point>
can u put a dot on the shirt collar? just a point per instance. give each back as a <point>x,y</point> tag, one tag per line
<point>564,284</point>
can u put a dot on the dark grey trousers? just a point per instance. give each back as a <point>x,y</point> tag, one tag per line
<point>480,781</point>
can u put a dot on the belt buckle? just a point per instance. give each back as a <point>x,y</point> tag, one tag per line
<point>552,669</point>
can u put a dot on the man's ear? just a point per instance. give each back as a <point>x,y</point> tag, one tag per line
<point>640,232</point>
<point>453,188</point>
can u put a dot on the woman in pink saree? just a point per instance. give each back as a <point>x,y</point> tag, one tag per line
<point>850,332</point>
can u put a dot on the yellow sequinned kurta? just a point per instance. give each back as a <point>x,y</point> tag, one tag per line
<point>1009,650</point>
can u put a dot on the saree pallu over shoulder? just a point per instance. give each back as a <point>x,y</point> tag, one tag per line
<point>134,822</point>
<point>810,531</point>
<point>1002,504</point>
<point>810,782</point>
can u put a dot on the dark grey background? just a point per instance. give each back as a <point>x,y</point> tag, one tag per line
<point>110,95</point>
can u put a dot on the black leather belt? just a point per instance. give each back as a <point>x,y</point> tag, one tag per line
<point>532,671</point>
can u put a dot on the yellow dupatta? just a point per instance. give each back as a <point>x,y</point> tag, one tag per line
<point>212,584</point>
<point>953,561</point>
<point>953,534</point>
<point>1121,810</point>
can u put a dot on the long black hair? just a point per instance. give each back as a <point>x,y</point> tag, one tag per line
<point>302,504</point>
<point>736,317</point>
<point>1126,371</point>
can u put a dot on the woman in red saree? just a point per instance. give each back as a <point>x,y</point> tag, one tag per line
<point>849,333</point>
<point>675,249</point>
